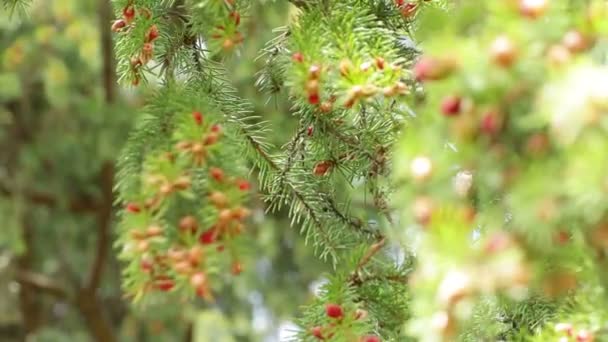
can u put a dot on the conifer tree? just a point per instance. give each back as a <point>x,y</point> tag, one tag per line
<point>482,120</point>
<point>447,162</point>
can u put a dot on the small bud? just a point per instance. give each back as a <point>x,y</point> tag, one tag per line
<point>224,216</point>
<point>365,66</point>
<point>314,72</point>
<point>451,105</point>
<point>228,44</point>
<point>561,237</point>
<point>138,235</point>
<point>313,99</point>
<point>195,254</point>
<point>312,86</point>
<point>153,231</point>
<point>537,144</point>
<point>503,51</point>
<point>558,55</point>
<point>491,123</point>
<point>326,107</point>
<point>533,9</point>
<point>243,185</point>
<point>297,57</point>
<point>360,314</point>
<point>310,130</point>
<point>133,208</point>
<point>152,34</point>
<point>345,67</point>
<point>217,174</point>
<point>146,53</point>
<point>317,332</point>
<point>401,87</point>
<point>208,237</point>
<point>211,138</point>
<point>128,13</point>
<point>166,189</point>
<point>423,209</point>
<point>498,242</point>
<point>238,37</point>
<point>564,328</point>
<point>236,268</point>
<point>218,199</point>
<point>164,283</point>
<point>409,9</point>
<point>188,224</point>
<point>370,338</point>
<point>355,91</point>
<point>236,17</point>
<point>146,265</point>
<point>135,62</point>
<point>240,213</point>
<point>142,246</point>
<point>430,69</point>
<point>574,41</point>
<point>198,117</point>
<point>462,183</point>
<point>584,336</point>
<point>197,148</point>
<point>198,279</point>
<point>380,63</point>
<point>118,25</point>
<point>182,183</point>
<point>176,254</point>
<point>369,90</point>
<point>333,310</point>
<point>216,128</point>
<point>322,167</point>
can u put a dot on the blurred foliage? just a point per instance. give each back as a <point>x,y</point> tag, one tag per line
<point>489,224</point>
<point>57,132</point>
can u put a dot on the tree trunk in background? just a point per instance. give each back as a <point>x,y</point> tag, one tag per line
<point>93,314</point>
<point>28,300</point>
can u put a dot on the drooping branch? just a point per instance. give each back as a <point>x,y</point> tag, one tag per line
<point>367,257</point>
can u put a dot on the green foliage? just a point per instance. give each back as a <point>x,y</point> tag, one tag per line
<point>505,125</point>
<point>442,162</point>
<point>16,6</point>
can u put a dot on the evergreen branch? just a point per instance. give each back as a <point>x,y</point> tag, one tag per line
<point>355,223</point>
<point>293,149</point>
<point>296,194</point>
<point>367,257</point>
<point>13,6</point>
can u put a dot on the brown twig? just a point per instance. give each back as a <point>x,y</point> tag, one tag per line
<point>104,218</point>
<point>107,52</point>
<point>355,277</point>
<point>41,283</point>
